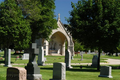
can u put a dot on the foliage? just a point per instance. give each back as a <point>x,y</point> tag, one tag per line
<point>78,46</point>
<point>40,14</point>
<point>14,29</point>
<point>95,23</point>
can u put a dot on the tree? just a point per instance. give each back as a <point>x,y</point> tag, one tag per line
<point>14,29</point>
<point>40,14</point>
<point>96,24</point>
<point>78,46</point>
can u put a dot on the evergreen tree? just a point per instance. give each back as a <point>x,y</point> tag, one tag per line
<point>14,29</point>
<point>96,23</point>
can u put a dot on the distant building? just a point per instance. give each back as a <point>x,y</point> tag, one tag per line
<point>56,44</point>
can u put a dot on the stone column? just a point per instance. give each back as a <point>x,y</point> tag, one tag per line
<point>41,59</point>
<point>8,57</point>
<point>33,71</point>
<point>68,59</point>
<point>63,49</point>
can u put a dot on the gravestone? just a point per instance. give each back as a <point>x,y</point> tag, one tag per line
<point>68,59</point>
<point>16,73</point>
<point>41,59</point>
<point>94,61</point>
<point>89,51</point>
<point>7,58</point>
<point>81,56</point>
<point>59,71</point>
<point>33,71</point>
<point>105,72</point>
<point>25,56</point>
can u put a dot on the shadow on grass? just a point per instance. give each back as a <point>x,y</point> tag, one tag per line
<point>83,69</point>
<point>2,62</point>
<point>115,66</point>
<point>47,68</point>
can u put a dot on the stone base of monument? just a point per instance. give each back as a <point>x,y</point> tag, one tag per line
<point>7,65</point>
<point>57,79</point>
<point>33,71</point>
<point>105,72</point>
<point>34,77</point>
<point>69,67</point>
<point>41,64</point>
<point>105,76</point>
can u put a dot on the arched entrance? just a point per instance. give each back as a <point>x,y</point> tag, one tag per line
<point>57,44</point>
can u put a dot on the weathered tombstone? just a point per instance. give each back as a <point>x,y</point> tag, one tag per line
<point>89,51</point>
<point>68,59</point>
<point>94,61</point>
<point>8,57</point>
<point>81,56</point>
<point>16,73</point>
<point>41,59</point>
<point>33,71</point>
<point>59,71</point>
<point>105,71</point>
<point>25,56</point>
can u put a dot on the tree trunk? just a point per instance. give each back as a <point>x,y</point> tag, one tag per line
<point>98,65</point>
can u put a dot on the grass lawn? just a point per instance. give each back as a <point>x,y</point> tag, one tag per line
<point>86,73</point>
<point>87,58</point>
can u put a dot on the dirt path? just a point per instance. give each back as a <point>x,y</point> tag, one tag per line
<point>113,61</point>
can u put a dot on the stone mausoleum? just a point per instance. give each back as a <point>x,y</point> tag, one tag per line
<point>58,38</point>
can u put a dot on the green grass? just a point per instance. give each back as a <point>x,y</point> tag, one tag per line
<point>86,73</point>
<point>87,58</point>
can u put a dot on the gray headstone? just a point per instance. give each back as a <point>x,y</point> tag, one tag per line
<point>105,71</point>
<point>8,57</point>
<point>16,73</point>
<point>41,59</point>
<point>59,71</point>
<point>89,51</point>
<point>81,56</point>
<point>34,45</point>
<point>68,59</point>
<point>33,71</point>
<point>94,61</point>
<point>25,56</point>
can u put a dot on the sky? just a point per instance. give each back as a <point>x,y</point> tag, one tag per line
<point>62,7</point>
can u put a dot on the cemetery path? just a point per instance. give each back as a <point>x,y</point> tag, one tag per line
<point>108,61</point>
<point>113,61</point>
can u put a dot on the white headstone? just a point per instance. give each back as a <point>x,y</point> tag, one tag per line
<point>41,59</point>
<point>25,56</point>
<point>59,71</point>
<point>105,71</point>
<point>89,51</point>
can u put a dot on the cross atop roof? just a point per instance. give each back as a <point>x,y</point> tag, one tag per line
<point>59,16</point>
